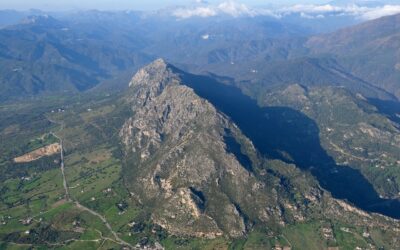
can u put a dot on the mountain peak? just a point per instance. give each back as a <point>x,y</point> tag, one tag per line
<point>154,73</point>
<point>41,20</point>
<point>177,145</point>
<point>151,80</point>
<point>159,63</point>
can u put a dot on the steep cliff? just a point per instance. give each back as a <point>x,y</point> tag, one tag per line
<point>197,174</point>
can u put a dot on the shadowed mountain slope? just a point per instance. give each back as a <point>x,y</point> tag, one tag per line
<point>286,134</point>
<point>206,160</point>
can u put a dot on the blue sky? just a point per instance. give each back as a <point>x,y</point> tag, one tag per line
<point>124,4</point>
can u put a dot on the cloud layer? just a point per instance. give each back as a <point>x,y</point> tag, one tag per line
<point>383,11</point>
<point>231,8</point>
<point>309,11</point>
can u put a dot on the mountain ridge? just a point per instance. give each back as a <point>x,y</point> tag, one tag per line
<point>184,159</point>
<point>370,51</point>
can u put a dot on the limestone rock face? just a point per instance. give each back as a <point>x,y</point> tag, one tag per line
<point>179,160</point>
<point>195,172</point>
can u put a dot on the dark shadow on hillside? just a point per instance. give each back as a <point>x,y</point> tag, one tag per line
<point>286,134</point>
<point>390,108</point>
<point>234,147</point>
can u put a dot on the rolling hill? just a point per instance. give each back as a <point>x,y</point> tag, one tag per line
<point>370,51</point>
<point>43,55</point>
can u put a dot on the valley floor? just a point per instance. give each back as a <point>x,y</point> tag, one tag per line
<point>77,199</point>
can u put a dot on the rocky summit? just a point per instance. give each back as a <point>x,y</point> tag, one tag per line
<point>180,161</point>
<point>198,175</point>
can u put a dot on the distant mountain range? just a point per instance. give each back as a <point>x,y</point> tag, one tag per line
<point>363,58</point>
<point>46,55</point>
<point>371,51</point>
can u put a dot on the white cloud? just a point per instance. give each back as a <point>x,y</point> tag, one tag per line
<point>199,12</point>
<point>205,37</point>
<point>309,8</point>
<point>201,1</point>
<point>367,13</point>
<point>307,16</point>
<point>310,11</point>
<point>383,11</point>
<point>234,9</point>
<point>231,8</point>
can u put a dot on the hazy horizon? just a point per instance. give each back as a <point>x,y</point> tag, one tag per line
<point>49,5</point>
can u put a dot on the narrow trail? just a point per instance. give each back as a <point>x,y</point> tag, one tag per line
<point>103,219</point>
<point>118,240</point>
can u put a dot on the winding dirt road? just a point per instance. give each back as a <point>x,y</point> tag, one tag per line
<point>79,205</point>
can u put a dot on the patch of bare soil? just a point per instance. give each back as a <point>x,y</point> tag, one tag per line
<point>39,153</point>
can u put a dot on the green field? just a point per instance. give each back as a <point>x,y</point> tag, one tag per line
<point>34,211</point>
